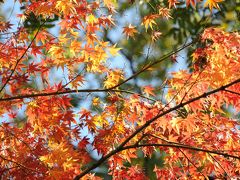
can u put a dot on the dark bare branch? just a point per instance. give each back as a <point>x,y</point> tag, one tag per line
<point>140,129</point>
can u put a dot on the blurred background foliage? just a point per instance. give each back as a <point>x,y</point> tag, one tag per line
<point>186,24</point>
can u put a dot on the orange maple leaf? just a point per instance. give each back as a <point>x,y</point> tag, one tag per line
<point>4,26</point>
<point>192,2</point>
<point>149,90</point>
<point>129,30</point>
<point>172,3</point>
<point>164,12</point>
<point>155,35</point>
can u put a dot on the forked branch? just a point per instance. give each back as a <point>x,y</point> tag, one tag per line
<point>140,129</point>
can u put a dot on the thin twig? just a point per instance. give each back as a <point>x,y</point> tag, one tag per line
<point>164,57</point>
<point>189,160</point>
<point>18,164</point>
<point>219,165</point>
<point>180,146</point>
<point>233,92</point>
<point>19,59</point>
<point>140,129</point>
<point>25,143</point>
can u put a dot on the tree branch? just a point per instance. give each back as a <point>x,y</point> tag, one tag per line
<point>121,146</point>
<point>164,57</point>
<point>130,60</point>
<point>233,92</point>
<point>189,160</point>
<point>18,164</point>
<point>219,165</point>
<point>183,147</point>
<point>19,59</point>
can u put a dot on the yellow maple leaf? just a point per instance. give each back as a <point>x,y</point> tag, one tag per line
<point>95,101</point>
<point>113,50</point>
<point>91,19</point>
<point>33,104</point>
<point>55,51</point>
<point>65,7</point>
<point>110,3</point>
<point>175,125</point>
<point>47,160</point>
<point>74,33</point>
<point>149,21</point>
<point>63,39</point>
<point>212,3</point>
<point>113,78</point>
<point>75,47</point>
<point>100,120</point>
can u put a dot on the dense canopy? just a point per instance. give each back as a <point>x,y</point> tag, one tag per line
<point>110,89</point>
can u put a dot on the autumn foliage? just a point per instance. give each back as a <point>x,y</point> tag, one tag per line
<point>190,120</point>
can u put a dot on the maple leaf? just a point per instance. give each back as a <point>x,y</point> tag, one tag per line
<point>4,26</point>
<point>83,143</point>
<point>65,7</point>
<point>192,2</point>
<point>164,12</point>
<point>130,31</point>
<point>33,68</point>
<point>95,101</point>
<point>75,47</point>
<point>12,115</point>
<point>42,36</point>
<point>36,50</point>
<point>213,3</point>
<point>113,78</point>
<point>22,17</point>
<point>56,51</point>
<point>133,117</point>
<point>113,50</point>
<point>77,81</point>
<point>155,35</point>
<point>149,21</point>
<point>172,3</point>
<point>176,124</point>
<point>149,90</point>
<point>106,21</point>
<point>85,114</point>
<point>110,3</point>
<point>91,19</point>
